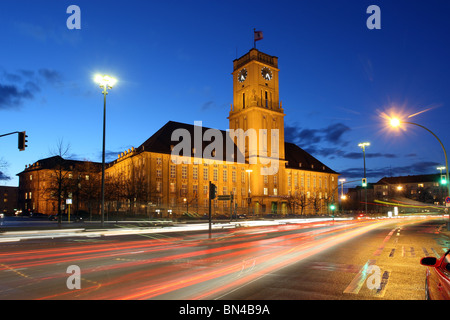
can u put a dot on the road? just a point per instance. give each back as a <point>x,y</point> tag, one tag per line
<point>341,260</point>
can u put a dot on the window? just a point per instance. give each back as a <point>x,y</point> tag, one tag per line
<point>173,171</point>
<point>216,175</point>
<point>275,180</point>
<point>205,189</point>
<point>266,191</point>
<point>172,187</point>
<point>31,177</point>
<point>225,175</point>
<point>205,173</point>
<point>184,189</point>
<point>158,173</point>
<point>184,172</point>
<point>159,161</point>
<point>195,189</point>
<point>233,176</point>
<point>266,179</point>
<point>195,173</point>
<point>158,186</point>
<point>289,180</point>
<point>275,191</point>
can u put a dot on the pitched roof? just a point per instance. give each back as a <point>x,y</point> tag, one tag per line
<point>161,142</point>
<point>297,158</point>
<point>410,179</point>
<point>53,162</point>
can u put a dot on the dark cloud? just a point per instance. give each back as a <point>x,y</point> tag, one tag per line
<point>11,96</point>
<point>52,76</point>
<point>4,177</point>
<point>375,174</point>
<point>23,85</point>
<point>306,137</point>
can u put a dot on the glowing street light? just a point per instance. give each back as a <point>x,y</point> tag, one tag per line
<point>396,122</point>
<point>106,83</point>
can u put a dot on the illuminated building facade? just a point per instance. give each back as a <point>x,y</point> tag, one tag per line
<point>160,178</point>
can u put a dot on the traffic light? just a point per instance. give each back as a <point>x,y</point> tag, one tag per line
<point>22,140</point>
<point>443,179</point>
<point>332,207</point>
<point>212,191</point>
<point>364,182</point>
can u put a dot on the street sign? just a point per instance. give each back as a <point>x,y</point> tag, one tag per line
<point>224,197</point>
<point>447,200</point>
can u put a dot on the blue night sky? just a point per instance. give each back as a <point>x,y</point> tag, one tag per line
<point>174,59</point>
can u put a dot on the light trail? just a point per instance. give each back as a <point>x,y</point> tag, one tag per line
<point>179,267</point>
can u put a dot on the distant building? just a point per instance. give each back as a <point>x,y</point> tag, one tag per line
<point>8,199</point>
<point>153,178</point>
<point>42,183</point>
<point>423,188</point>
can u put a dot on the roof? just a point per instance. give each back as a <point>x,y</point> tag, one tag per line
<point>297,158</point>
<point>53,162</point>
<point>161,142</point>
<point>164,140</point>
<point>410,179</point>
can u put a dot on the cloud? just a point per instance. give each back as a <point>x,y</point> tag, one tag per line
<point>417,168</point>
<point>51,76</point>
<point>11,96</point>
<point>23,85</point>
<point>333,134</point>
<point>4,177</point>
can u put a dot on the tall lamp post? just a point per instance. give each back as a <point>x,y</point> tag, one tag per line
<point>106,83</point>
<point>363,145</point>
<point>249,200</point>
<point>395,122</point>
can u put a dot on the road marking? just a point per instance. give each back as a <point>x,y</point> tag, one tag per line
<point>392,253</point>
<point>437,254</point>
<point>380,249</point>
<point>379,293</point>
<point>359,279</point>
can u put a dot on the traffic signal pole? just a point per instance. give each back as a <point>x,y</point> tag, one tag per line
<point>22,139</point>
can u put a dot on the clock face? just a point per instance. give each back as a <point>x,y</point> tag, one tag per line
<point>266,73</point>
<point>242,75</point>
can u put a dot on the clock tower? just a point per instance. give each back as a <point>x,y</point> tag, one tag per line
<point>256,103</point>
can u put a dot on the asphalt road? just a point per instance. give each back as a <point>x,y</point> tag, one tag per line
<point>343,260</point>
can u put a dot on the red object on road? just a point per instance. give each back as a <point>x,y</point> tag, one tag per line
<point>437,282</point>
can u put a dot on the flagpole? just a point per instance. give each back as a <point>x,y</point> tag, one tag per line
<point>254,39</point>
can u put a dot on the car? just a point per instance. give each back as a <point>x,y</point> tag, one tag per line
<point>437,279</point>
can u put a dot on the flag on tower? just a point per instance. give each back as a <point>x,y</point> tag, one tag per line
<point>258,35</point>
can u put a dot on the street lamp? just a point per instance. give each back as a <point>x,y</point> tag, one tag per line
<point>105,82</point>
<point>249,190</point>
<point>395,122</point>
<point>363,145</point>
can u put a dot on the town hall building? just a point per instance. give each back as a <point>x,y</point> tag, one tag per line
<point>160,178</point>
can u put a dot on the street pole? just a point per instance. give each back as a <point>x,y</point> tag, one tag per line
<point>105,82</point>
<point>446,161</point>
<point>363,146</point>
<point>105,92</point>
